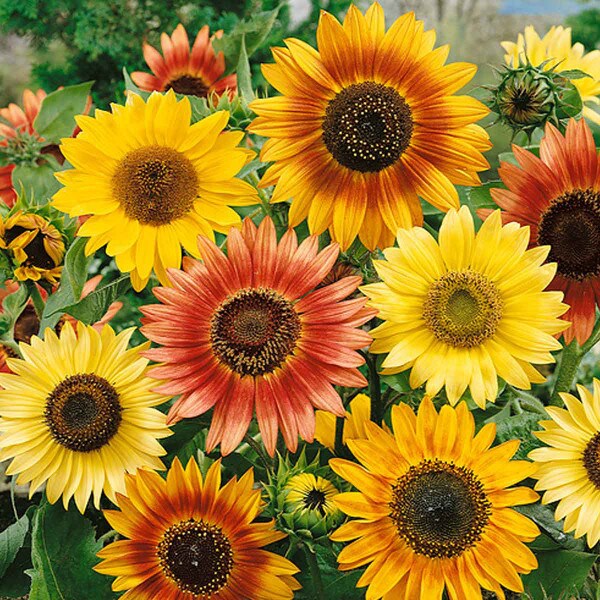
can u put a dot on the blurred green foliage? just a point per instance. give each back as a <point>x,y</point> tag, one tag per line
<point>79,40</point>
<point>586,28</point>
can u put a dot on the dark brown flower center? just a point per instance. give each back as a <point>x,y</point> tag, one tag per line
<point>571,226</point>
<point>315,500</point>
<point>26,325</point>
<point>37,256</point>
<point>155,185</point>
<point>83,412</point>
<point>188,85</point>
<point>196,556</point>
<point>367,126</point>
<point>462,308</point>
<point>254,331</point>
<point>591,460</point>
<point>439,509</point>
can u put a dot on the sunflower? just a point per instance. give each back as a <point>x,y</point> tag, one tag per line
<point>468,309</point>
<point>311,494</point>
<point>558,197</point>
<point>189,537</point>
<point>152,182</point>
<point>249,329</point>
<point>569,470</point>
<point>19,137</point>
<point>434,509</point>
<point>76,413</point>
<point>358,413</point>
<point>35,246</point>
<point>195,73</point>
<point>19,122</point>
<point>555,51</point>
<point>27,324</point>
<point>366,125</point>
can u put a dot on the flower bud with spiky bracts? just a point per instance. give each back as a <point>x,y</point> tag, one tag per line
<point>528,97</point>
<point>301,499</point>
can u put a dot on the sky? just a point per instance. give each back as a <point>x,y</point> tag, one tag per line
<point>540,7</point>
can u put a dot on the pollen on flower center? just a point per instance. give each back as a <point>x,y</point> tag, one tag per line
<point>155,185</point>
<point>197,556</point>
<point>83,412</point>
<point>439,509</point>
<point>571,226</point>
<point>462,308</point>
<point>188,85</point>
<point>367,126</point>
<point>254,331</point>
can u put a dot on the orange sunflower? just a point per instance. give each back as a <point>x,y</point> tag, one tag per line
<point>558,197</point>
<point>19,123</point>
<point>366,125</point>
<point>198,72</point>
<point>19,120</point>
<point>249,330</point>
<point>188,537</point>
<point>434,508</point>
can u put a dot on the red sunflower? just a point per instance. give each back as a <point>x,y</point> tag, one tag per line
<point>249,330</point>
<point>198,72</point>
<point>558,196</point>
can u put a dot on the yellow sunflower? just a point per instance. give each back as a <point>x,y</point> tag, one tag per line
<point>569,469</point>
<point>365,125</point>
<point>36,246</point>
<point>556,50</point>
<point>188,537</point>
<point>76,413</point>
<point>434,508</point>
<point>462,311</point>
<point>152,182</point>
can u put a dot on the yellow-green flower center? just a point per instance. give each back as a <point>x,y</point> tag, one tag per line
<point>571,226</point>
<point>367,126</point>
<point>439,509</point>
<point>462,308</point>
<point>196,556</point>
<point>155,185</point>
<point>83,412</point>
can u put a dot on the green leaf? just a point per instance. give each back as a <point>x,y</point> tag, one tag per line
<point>93,307</point>
<point>56,118</point>
<point>481,196</point>
<point>543,516</point>
<point>73,278</point>
<point>251,32</point>
<point>15,582</point>
<point>520,427</point>
<point>63,552</point>
<point>560,574</point>
<point>244,77</point>
<point>574,74</point>
<point>11,541</point>
<point>131,87</point>
<point>36,183</point>
<point>571,104</point>
<point>14,303</point>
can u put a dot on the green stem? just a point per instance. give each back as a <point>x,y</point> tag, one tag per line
<point>109,535</point>
<point>374,389</point>
<point>315,573</point>
<point>339,435</point>
<point>262,195</point>
<point>264,457</point>
<point>567,370</point>
<point>36,298</point>
<point>13,482</point>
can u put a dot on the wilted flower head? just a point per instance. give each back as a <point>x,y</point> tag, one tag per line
<point>35,246</point>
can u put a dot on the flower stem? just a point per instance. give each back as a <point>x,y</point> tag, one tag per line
<point>374,389</point>
<point>36,298</point>
<point>567,370</point>
<point>264,457</point>
<point>315,573</point>
<point>262,195</point>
